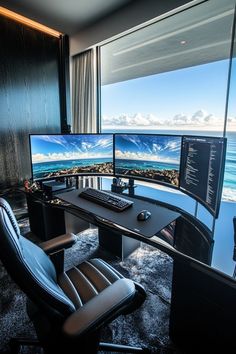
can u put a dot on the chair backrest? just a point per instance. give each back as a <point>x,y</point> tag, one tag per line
<point>30,267</point>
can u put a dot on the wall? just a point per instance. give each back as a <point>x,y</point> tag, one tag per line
<point>136,13</point>
<point>29,95</point>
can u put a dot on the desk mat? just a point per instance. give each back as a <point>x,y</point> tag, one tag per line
<point>159,219</point>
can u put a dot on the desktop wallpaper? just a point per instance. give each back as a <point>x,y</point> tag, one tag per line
<point>58,155</point>
<point>148,156</point>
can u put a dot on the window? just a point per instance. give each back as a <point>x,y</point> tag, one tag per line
<point>172,77</point>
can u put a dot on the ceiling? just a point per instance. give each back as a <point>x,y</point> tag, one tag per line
<point>65,16</point>
<point>198,35</point>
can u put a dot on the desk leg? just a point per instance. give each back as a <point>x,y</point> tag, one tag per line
<point>117,244</point>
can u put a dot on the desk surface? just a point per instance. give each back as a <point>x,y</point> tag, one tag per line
<point>160,216</point>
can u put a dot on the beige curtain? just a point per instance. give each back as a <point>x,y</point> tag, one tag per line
<point>84,118</point>
<point>83,94</point>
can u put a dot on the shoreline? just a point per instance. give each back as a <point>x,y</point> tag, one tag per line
<point>165,176</point>
<point>100,168</point>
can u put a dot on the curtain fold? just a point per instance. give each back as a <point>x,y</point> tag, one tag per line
<point>83,94</point>
<point>84,118</point>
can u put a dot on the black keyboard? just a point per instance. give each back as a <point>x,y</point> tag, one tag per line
<point>105,199</point>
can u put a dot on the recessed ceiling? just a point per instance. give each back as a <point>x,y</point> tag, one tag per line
<point>65,16</point>
<point>198,35</point>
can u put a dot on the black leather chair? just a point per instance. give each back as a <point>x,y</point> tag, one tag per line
<point>68,308</point>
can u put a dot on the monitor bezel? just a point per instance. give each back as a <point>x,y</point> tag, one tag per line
<point>213,212</point>
<point>75,174</point>
<point>168,185</point>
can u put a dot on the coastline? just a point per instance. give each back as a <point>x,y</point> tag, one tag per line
<point>165,176</point>
<point>100,168</point>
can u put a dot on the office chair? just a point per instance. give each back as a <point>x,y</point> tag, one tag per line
<point>68,308</point>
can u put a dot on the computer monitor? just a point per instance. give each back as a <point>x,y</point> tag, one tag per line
<point>150,157</point>
<point>58,155</point>
<point>202,170</point>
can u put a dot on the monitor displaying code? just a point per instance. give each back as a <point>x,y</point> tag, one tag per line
<point>202,170</point>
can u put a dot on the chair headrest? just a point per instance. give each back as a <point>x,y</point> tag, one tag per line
<point>7,208</point>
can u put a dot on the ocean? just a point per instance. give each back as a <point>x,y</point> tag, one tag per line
<point>229,187</point>
<point>143,165</point>
<point>41,170</point>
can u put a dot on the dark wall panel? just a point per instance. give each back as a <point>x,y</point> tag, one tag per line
<point>29,95</point>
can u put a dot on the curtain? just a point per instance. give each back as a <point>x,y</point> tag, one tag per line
<point>83,103</point>
<point>83,94</point>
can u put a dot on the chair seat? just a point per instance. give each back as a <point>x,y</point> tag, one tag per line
<point>81,283</point>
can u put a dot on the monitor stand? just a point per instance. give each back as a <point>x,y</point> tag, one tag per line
<point>119,187</point>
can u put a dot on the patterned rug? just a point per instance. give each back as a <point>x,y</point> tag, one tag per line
<point>151,268</point>
<point>147,326</point>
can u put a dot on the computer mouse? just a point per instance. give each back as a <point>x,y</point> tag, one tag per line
<point>143,215</point>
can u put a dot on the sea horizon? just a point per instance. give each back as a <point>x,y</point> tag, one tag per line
<point>144,164</point>
<point>42,169</point>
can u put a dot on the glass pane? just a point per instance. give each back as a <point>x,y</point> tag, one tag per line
<point>230,168</point>
<point>171,77</point>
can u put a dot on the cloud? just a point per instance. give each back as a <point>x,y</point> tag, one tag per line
<point>104,142</point>
<point>198,118</point>
<point>231,120</point>
<point>156,148</point>
<point>39,158</point>
<point>85,146</point>
<point>128,155</point>
<point>137,119</point>
<point>179,119</point>
<point>55,139</point>
<point>173,146</point>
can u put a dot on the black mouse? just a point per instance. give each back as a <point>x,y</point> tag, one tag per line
<point>143,215</point>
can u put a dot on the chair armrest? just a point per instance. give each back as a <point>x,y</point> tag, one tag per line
<point>58,243</point>
<point>101,309</point>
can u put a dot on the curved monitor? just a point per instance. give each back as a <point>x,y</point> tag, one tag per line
<point>55,155</point>
<point>202,170</point>
<point>149,157</point>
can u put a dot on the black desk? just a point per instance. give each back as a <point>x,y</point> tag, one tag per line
<point>123,223</point>
<point>202,311</point>
<point>203,299</point>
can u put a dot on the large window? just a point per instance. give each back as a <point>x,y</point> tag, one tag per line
<point>172,77</point>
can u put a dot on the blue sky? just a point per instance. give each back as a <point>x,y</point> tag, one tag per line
<point>185,92</point>
<point>148,147</point>
<point>67,147</point>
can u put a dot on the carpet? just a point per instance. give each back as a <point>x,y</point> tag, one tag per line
<point>147,326</point>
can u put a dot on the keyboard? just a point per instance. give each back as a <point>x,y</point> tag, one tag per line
<point>106,199</point>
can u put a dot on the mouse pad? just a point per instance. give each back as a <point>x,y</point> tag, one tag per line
<point>160,216</point>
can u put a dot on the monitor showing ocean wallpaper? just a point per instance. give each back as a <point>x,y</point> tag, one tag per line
<point>152,157</point>
<point>58,155</point>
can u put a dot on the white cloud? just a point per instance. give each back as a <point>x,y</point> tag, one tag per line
<point>39,158</point>
<point>232,120</point>
<point>136,119</point>
<point>173,146</point>
<point>85,146</point>
<point>179,119</point>
<point>156,148</point>
<point>56,139</point>
<point>104,143</point>
<point>200,118</point>
<point>128,155</point>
